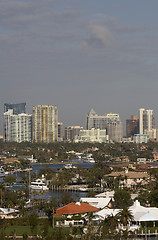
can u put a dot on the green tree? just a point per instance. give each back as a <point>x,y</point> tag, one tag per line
<point>33,222</point>
<point>153,198</point>
<point>66,198</point>
<point>122,198</point>
<point>10,179</point>
<point>108,228</point>
<point>125,216</point>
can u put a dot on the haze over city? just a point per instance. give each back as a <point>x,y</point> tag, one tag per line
<point>79,55</point>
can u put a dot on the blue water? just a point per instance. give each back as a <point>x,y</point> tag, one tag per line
<point>36,168</point>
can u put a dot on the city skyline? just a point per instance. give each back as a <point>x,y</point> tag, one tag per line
<point>45,121</point>
<point>79,55</point>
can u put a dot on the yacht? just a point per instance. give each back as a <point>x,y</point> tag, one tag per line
<point>2,172</point>
<point>38,184</point>
<point>83,189</point>
<point>69,166</point>
<point>88,159</point>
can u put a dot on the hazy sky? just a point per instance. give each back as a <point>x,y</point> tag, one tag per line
<point>79,54</point>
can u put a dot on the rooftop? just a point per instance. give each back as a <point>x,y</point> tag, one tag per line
<point>75,208</point>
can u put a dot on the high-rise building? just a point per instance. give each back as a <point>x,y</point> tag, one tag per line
<point>115,131</point>
<point>146,120</point>
<point>17,108</point>
<point>17,128</point>
<point>60,131</point>
<point>45,123</point>
<point>132,126</point>
<point>93,120</point>
<point>71,132</point>
<point>109,121</point>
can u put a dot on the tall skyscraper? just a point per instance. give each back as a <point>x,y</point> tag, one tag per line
<point>132,126</point>
<point>45,123</point>
<point>17,128</point>
<point>146,120</point>
<point>17,108</point>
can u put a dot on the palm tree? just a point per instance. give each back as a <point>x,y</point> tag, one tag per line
<point>125,215</point>
<point>108,227</point>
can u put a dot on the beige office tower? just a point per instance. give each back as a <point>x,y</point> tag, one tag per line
<point>45,123</point>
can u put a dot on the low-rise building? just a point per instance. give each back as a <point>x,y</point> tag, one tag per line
<point>140,215</point>
<point>92,135</point>
<point>130,179</point>
<point>141,138</point>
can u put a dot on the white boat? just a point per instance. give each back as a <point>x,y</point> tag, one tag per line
<point>38,184</point>
<point>2,172</point>
<point>88,159</point>
<point>69,166</point>
<point>82,189</point>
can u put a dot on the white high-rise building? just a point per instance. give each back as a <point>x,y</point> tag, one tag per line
<point>146,120</point>
<point>17,128</point>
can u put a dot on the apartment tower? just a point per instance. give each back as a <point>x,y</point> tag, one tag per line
<point>146,120</point>
<point>45,123</point>
<point>17,128</point>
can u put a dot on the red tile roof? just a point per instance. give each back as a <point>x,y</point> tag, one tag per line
<point>74,208</point>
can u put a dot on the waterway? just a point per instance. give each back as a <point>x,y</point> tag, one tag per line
<point>48,195</point>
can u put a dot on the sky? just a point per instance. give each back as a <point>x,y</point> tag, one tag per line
<point>78,55</point>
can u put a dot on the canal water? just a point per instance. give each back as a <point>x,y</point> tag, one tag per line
<point>48,195</point>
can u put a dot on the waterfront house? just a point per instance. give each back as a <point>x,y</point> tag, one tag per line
<point>141,215</point>
<point>76,208</point>
<point>74,213</point>
<point>129,179</point>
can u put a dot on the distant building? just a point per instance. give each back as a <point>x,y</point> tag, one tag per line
<point>152,133</point>
<point>92,135</point>
<point>71,132</point>
<point>129,178</point>
<point>17,128</point>
<point>109,121</point>
<point>93,120</point>
<point>141,138</point>
<point>60,131</point>
<point>146,120</point>
<point>45,123</point>
<point>115,131</point>
<point>132,126</point>
<point>17,108</point>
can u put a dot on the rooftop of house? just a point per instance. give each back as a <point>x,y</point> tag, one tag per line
<point>75,208</point>
<point>129,174</point>
<point>140,213</point>
<point>97,202</point>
